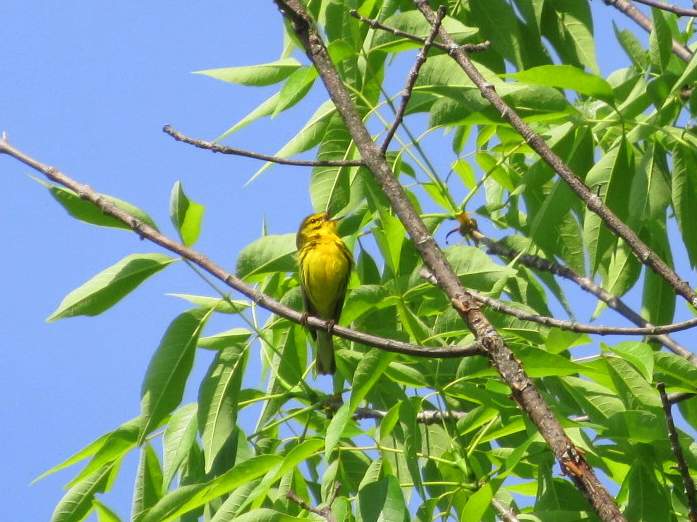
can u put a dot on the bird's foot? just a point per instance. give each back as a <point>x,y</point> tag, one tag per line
<point>330,325</point>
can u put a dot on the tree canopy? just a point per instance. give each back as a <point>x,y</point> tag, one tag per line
<point>459,393</point>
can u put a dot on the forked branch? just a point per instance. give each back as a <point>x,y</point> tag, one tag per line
<point>593,202</point>
<point>522,387</point>
<point>147,232</point>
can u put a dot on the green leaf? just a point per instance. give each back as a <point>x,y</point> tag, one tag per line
<point>639,354</point>
<point>148,487</point>
<point>296,87</point>
<point>223,306</point>
<point>217,399</point>
<point>497,23</point>
<point>611,179</point>
<point>169,368</point>
<point>336,428</point>
<point>382,500</point>
<point>688,75</point>
<point>575,22</point>
<point>676,367</point>
<point>306,138</point>
<point>229,509</point>
<point>224,339</point>
<point>479,502</point>
<point>104,514</point>
<point>632,46</point>
<point>369,370</point>
<point>476,269</point>
<point>390,236</point>
<point>269,515</point>
<point>89,450</point>
<point>89,213</point>
<point>116,445</point>
<point>266,255</point>
<point>110,286</point>
<point>466,173</point>
<point>177,440</point>
<point>648,500</point>
<point>539,363</point>
<point>566,77</point>
<point>659,297</point>
<point>635,392</point>
<point>684,196</point>
<point>265,108</point>
<point>187,498</point>
<point>413,22</point>
<point>660,41</point>
<point>186,215</point>
<point>77,502</point>
<point>636,426</point>
<point>330,187</point>
<point>255,75</point>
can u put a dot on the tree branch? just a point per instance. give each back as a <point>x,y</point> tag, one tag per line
<point>522,387</point>
<point>505,513</point>
<point>585,283</point>
<point>223,149</point>
<point>325,512</point>
<point>677,10</point>
<point>592,201</point>
<point>423,417</point>
<point>411,79</point>
<point>630,10</point>
<point>573,326</point>
<point>375,24</point>
<point>688,483</point>
<point>263,300</point>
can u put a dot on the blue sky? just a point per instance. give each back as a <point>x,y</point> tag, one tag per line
<point>87,86</point>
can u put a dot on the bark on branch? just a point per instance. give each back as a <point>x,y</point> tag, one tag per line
<point>592,201</point>
<point>224,149</point>
<point>523,389</point>
<point>263,300</point>
<point>688,483</point>
<point>585,283</point>
<point>630,10</point>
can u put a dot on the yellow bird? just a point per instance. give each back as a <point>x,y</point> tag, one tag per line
<point>325,265</point>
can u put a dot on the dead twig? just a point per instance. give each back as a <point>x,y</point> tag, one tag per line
<point>224,149</point>
<point>688,483</point>
<point>411,80</point>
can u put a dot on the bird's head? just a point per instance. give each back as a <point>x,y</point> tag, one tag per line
<point>315,226</point>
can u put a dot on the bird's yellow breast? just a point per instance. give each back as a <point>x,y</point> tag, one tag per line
<point>324,269</point>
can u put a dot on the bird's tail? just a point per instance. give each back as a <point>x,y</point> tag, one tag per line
<point>325,363</point>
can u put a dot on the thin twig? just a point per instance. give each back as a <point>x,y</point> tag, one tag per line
<point>630,10</point>
<point>592,201</point>
<point>572,326</point>
<point>223,149</point>
<point>688,483</point>
<point>263,300</point>
<point>675,398</point>
<point>677,10</point>
<point>424,417</point>
<point>325,512</point>
<point>616,303</point>
<point>411,79</point>
<point>523,389</point>
<point>506,514</point>
<point>375,24</point>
